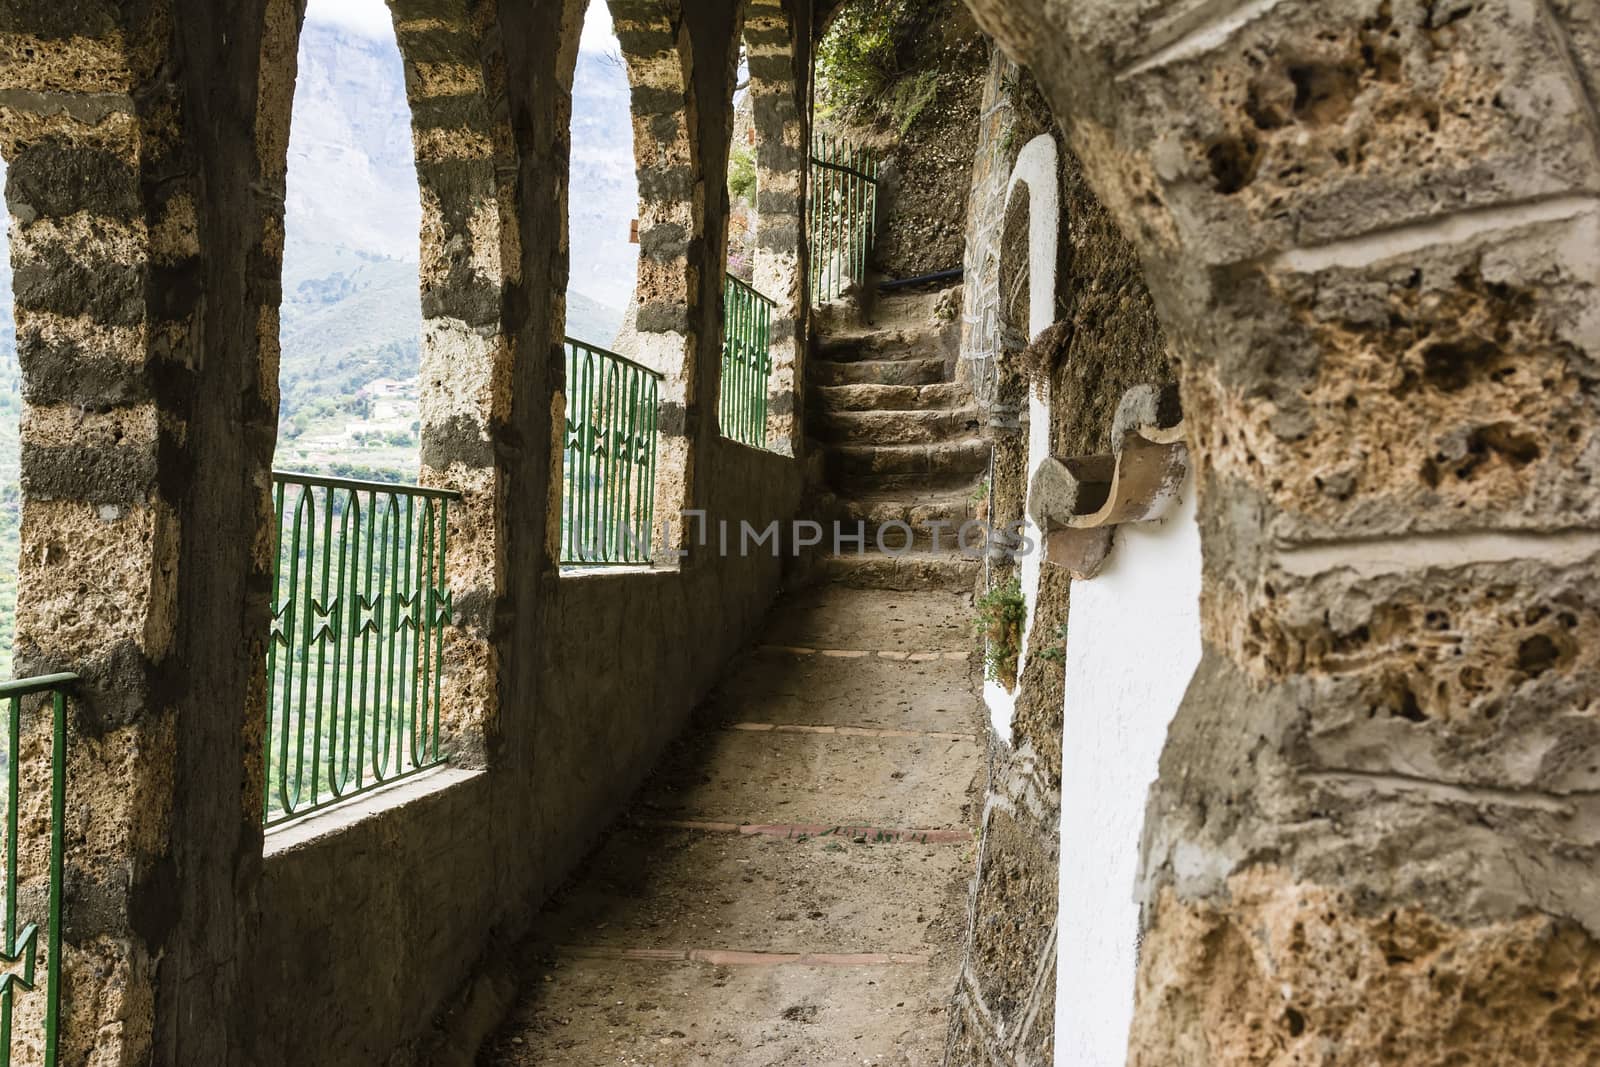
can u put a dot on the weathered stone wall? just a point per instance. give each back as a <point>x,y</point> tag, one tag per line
<point>1105,340</point>
<point>1012,114</point>
<point>369,929</point>
<point>1369,230</point>
<point>1006,984</point>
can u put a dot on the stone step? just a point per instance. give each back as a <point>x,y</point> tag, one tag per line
<point>915,570</point>
<point>907,485</point>
<point>878,372</point>
<point>966,458</point>
<point>841,398</point>
<point>895,345</point>
<point>789,686</point>
<point>893,427</point>
<point>920,511</point>
<point>732,776</point>
<point>831,618</point>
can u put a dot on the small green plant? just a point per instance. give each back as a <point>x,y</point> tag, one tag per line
<point>862,60</point>
<point>1001,614</point>
<point>1057,652</point>
<point>980,493</point>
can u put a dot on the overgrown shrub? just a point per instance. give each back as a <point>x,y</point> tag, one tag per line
<point>863,60</point>
<point>909,97</point>
<point>742,174</point>
<point>1002,611</point>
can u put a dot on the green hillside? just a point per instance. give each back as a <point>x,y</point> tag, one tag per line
<point>351,327</point>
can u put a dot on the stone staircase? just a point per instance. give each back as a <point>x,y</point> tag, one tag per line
<point>899,442</point>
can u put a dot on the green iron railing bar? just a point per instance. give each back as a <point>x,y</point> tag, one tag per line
<point>843,215</point>
<point>746,363</point>
<point>328,482</point>
<point>361,603</point>
<point>609,458</point>
<point>23,946</point>
<point>846,170</point>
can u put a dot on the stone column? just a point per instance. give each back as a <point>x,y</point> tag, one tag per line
<point>99,535</point>
<point>1372,232</point>
<point>146,242</point>
<point>471,260</point>
<point>778,88</point>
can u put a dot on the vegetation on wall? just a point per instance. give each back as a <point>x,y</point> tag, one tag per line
<point>1002,611</point>
<point>1056,651</point>
<point>866,63</point>
<point>904,80</point>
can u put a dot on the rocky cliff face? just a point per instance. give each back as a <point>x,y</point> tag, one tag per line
<point>924,132</point>
<point>1347,856</point>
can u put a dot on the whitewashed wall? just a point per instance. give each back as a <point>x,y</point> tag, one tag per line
<point>1037,167</point>
<point>1133,642</point>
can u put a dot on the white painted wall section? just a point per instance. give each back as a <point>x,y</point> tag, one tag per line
<point>1133,643</point>
<point>1038,167</point>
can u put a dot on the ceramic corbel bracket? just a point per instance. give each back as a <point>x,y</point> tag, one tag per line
<point>1079,502</point>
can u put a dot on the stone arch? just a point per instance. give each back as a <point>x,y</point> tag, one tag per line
<point>1029,256</point>
<point>778,86</point>
<point>470,262</point>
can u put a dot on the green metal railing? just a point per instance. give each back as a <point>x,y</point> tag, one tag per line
<point>746,363</point>
<point>22,945</point>
<point>609,469</point>
<point>843,215</point>
<point>360,607</point>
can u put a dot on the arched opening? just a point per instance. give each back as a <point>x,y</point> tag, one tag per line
<point>1008,473</point>
<point>1028,266</point>
<point>350,324</point>
<point>360,598</point>
<point>609,453</point>
<point>603,196</point>
<point>626,455</point>
<point>743,180</point>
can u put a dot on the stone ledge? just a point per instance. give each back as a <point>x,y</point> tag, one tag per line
<point>594,572</point>
<point>341,817</point>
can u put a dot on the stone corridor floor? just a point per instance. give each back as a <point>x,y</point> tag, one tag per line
<point>791,886</point>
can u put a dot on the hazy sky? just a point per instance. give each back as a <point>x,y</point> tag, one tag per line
<point>371,17</point>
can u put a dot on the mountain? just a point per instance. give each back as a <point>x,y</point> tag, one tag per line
<point>10,449</point>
